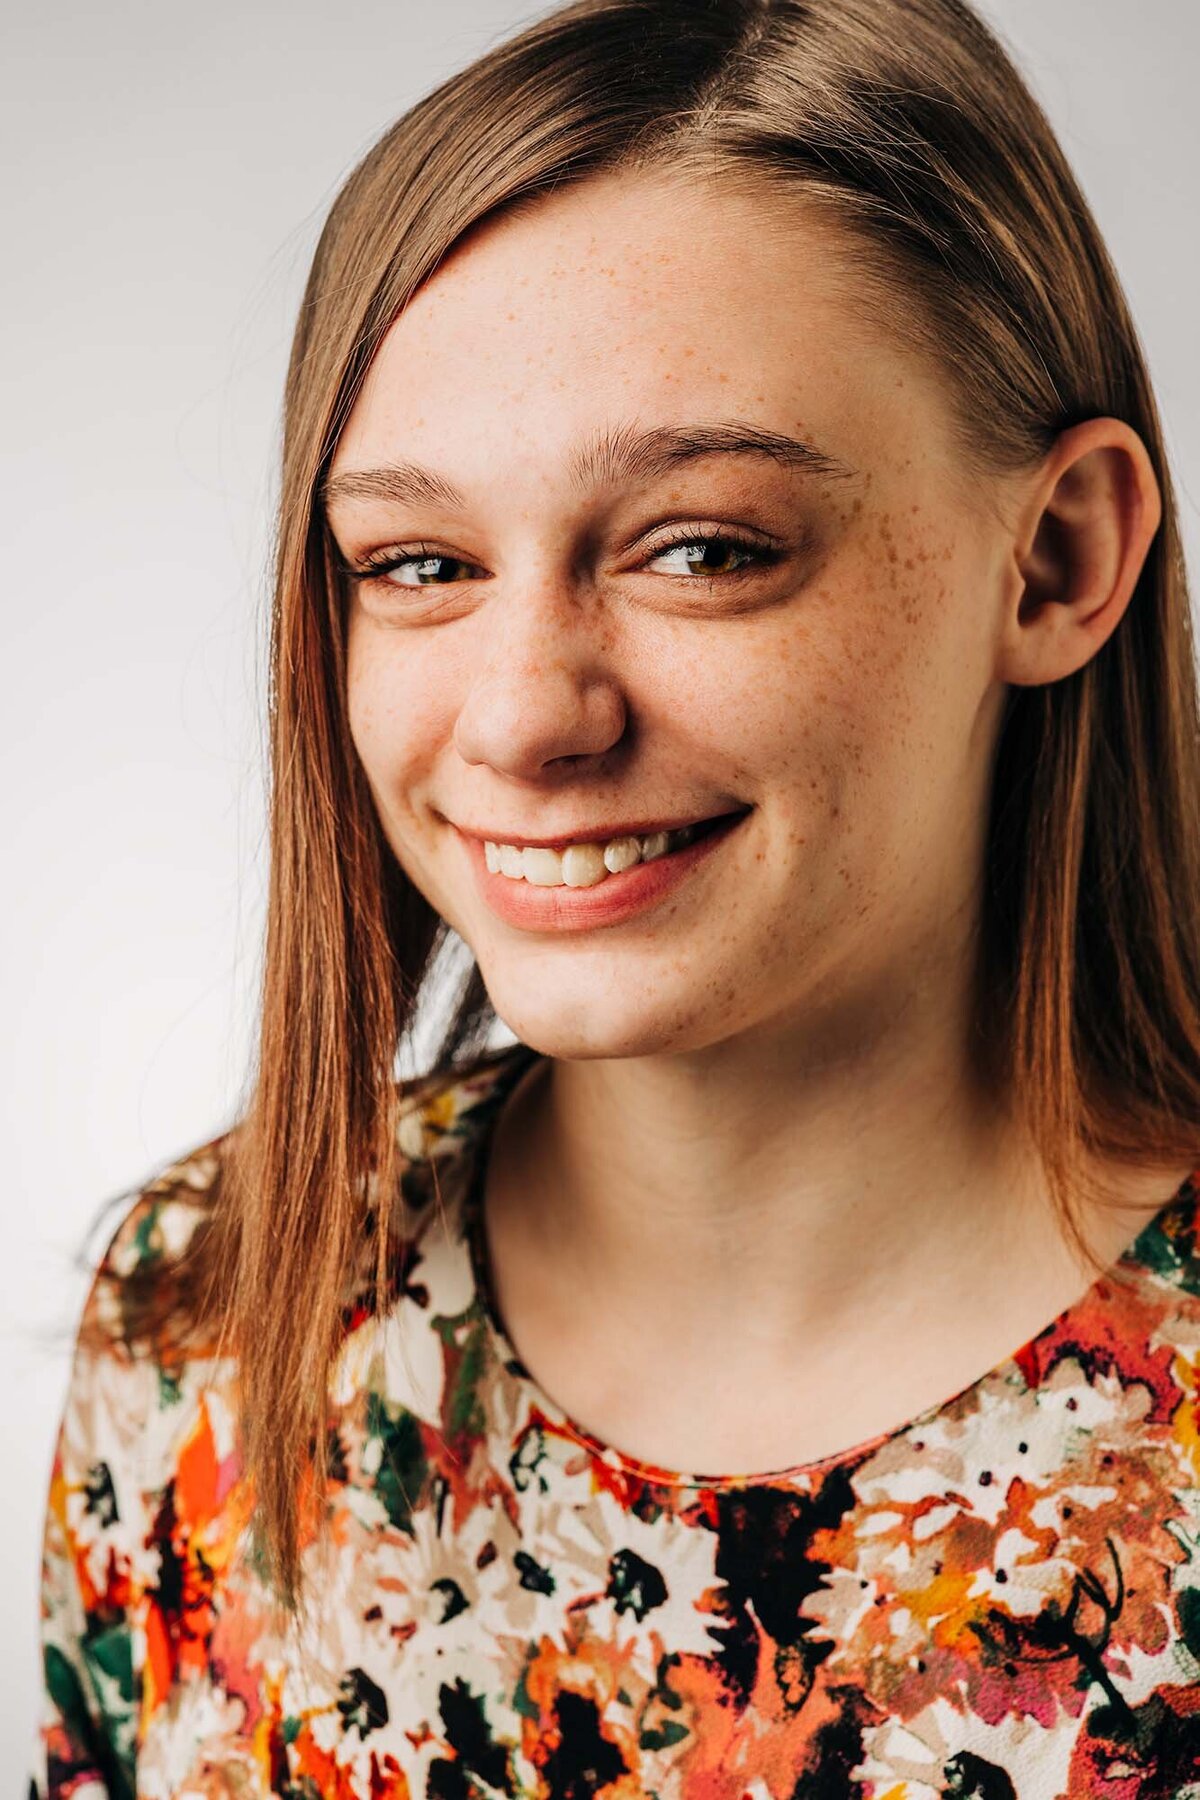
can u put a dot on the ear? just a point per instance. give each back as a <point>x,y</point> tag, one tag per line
<point>1082,538</point>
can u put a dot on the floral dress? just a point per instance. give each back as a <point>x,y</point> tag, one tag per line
<point>999,1598</point>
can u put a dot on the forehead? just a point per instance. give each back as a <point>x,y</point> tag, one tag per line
<point>658,295</point>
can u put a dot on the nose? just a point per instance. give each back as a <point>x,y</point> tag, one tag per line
<point>545,689</point>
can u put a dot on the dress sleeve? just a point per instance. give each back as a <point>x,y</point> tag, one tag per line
<point>97,1557</point>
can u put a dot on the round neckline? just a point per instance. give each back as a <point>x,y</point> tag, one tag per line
<point>513,1064</point>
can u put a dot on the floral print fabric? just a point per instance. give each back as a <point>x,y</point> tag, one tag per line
<point>999,1599</point>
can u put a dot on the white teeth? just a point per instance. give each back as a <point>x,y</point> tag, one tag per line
<point>622,853</point>
<point>543,867</point>
<point>582,865</point>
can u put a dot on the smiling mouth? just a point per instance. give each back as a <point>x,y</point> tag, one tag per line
<point>589,864</point>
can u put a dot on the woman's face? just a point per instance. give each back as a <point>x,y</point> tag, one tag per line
<point>566,654</point>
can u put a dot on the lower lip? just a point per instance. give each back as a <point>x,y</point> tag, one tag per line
<point>609,902</point>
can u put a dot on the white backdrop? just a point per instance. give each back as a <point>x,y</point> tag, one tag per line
<point>168,170</point>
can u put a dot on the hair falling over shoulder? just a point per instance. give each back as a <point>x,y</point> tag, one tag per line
<point>908,121</point>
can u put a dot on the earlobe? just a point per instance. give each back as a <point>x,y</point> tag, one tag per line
<point>1090,520</point>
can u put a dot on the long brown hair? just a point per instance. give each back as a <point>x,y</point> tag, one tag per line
<point>908,122</point>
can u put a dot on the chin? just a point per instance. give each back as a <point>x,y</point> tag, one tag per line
<point>587,1027</point>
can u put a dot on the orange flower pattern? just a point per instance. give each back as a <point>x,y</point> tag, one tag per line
<point>998,1599</point>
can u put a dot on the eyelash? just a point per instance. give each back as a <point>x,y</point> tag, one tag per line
<point>380,563</point>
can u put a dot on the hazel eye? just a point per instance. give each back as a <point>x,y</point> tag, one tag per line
<point>732,554</point>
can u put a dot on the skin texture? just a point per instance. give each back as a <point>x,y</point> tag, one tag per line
<point>760,1145</point>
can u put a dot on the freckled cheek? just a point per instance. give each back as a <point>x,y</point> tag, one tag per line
<point>815,688</point>
<point>890,649</point>
<point>832,725</point>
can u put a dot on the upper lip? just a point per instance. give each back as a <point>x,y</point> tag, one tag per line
<point>590,835</point>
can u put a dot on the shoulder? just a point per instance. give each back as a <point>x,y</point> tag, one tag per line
<point>162,1224</point>
<point>144,1377</point>
<point>159,1231</point>
<point>138,1349</point>
<point>127,1402</point>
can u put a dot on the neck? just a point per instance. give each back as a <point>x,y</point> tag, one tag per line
<point>794,1191</point>
<point>727,1216</point>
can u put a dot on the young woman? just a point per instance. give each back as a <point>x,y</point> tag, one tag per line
<point>729,582</point>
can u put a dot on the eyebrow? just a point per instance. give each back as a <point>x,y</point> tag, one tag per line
<point>626,453</point>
